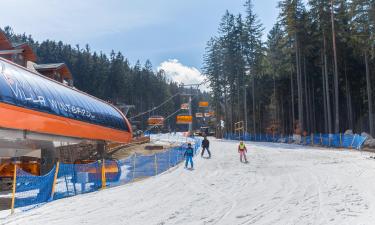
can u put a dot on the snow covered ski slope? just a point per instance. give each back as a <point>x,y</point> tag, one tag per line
<point>281,184</point>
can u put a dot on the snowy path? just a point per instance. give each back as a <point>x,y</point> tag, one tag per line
<point>282,184</point>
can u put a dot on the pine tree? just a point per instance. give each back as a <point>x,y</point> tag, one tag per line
<point>252,50</point>
<point>363,32</point>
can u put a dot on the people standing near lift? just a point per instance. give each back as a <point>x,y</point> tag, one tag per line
<point>206,146</point>
<point>242,150</point>
<point>189,153</point>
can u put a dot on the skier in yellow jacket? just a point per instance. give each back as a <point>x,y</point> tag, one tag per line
<point>242,150</point>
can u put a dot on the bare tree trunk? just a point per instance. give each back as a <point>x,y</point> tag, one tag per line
<point>283,117</point>
<point>292,97</point>
<point>348,101</point>
<point>324,95</point>
<point>369,95</point>
<point>245,106</point>
<point>308,122</point>
<point>351,109</point>
<point>329,115</point>
<point>336,75</point>
<point>238,100</point>
<point>312,100</point>
<point>299,87</point>
<point>290,121</point>
<point>232,104</point>
<point>253,84</point>
<point>274,94</point>
<point>226,111</point>
<point>260,119</point>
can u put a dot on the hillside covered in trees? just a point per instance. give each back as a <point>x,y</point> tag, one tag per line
<point>112,78</point>
<point>314,72</point>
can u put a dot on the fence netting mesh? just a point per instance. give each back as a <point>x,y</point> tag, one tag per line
<point>33,190</point>
<point>75,179</point>
<point>354,141</point>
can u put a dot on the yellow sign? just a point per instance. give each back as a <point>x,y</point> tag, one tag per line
<point>184,119</point>
<point>203,104</point>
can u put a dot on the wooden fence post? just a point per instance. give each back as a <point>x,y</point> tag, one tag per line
<point>169,158</point>
<point>321,139</point>
<point>55,180</point>
<point>14,188</point>
<point>340,140</point>
<point>134,158</point>
<point>104,180</point>
<point>329,140</point>
<point>351,145</point>
<point>156,165</point>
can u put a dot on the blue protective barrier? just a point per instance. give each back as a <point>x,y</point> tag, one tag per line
<point>33,190</point>
<point>75,179</point>
<point>327,140</point>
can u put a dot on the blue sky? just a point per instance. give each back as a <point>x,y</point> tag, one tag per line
<point>164,31</point>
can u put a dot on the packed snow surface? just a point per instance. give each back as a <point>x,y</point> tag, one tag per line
<point>281,184</point>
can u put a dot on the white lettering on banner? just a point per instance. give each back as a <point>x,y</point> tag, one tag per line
<point>24,92</point>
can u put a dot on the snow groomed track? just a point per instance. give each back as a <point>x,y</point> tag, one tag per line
<point>282,184</point>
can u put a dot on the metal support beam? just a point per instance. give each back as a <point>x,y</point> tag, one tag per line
<point>18,135</point>
<point>11,52</point>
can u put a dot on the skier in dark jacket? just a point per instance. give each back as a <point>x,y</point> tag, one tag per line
<point>206,146</point>
<point>189,153</point>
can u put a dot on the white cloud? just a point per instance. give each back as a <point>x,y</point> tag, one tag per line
<point>176,71</point>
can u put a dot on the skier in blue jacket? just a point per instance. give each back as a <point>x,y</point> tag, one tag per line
<point>189,153</point>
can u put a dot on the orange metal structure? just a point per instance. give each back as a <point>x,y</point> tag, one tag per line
<point>29,166</point>
<point>25,119</point>
<point>203,104</point>
<point>184,119</point>
<point>28,91</point>
<point>156,121</point>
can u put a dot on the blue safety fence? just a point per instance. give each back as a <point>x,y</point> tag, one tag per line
<point>138,166</point>
<point>32,190</point>
<point>75,179</point>
<point>327,140</point>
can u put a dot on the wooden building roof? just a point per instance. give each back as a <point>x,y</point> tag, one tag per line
<point>28,52</point>
<point>8,49</point>
<point>4,42</point>
<point>49,68</point>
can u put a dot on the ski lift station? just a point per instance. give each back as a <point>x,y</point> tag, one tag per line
<point>41,110</point>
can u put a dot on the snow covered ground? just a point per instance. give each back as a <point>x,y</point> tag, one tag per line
<point>282,184</point>
<point>170,138</point>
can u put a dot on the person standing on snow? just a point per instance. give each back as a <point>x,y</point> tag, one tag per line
<point>189,153</point>
<point>242,150</point>
<point>205,146</point>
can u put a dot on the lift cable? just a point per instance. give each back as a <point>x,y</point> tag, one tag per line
<point>155,108</point>
<point>169,116</point>
<point>166,101</point>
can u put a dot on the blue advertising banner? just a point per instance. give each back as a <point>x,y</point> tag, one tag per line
<point>23,88</point>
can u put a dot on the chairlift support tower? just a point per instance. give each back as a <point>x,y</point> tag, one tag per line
<point>190,101</point>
